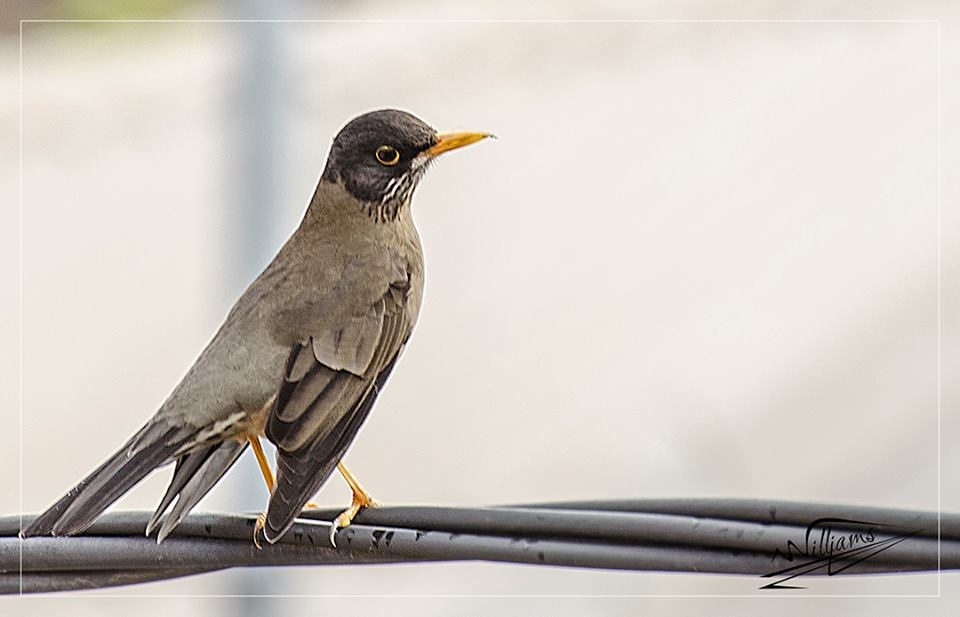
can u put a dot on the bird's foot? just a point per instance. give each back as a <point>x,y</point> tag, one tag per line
<point>257,528</point>
<point>361,500</point>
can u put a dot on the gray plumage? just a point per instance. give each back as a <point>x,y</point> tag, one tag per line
<point>303,353</point>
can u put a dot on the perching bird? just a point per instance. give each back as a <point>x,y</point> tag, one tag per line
<point>302,354</point>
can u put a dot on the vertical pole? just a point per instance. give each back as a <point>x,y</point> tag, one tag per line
<point>255,189</point>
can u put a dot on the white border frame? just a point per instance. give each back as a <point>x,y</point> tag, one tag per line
<point>489,21</point>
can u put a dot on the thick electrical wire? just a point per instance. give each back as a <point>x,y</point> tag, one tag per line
<point>721,536</point>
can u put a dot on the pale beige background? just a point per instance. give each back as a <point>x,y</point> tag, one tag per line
<point>700,261</point>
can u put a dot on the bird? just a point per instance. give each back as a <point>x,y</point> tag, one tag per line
<point>303,353</point>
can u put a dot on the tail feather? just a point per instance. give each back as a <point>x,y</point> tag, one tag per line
<point>153,446</point>
<point>43,525</point>
<point>195,480</point>
<point>187,465</point>
<point>150,448</point>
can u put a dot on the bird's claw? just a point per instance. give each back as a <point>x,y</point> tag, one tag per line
<point>334,528</point>
<point>343,521</point>
<point>346,517</point>
<point>257,528</point>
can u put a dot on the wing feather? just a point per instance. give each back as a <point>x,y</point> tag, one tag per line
<point>303,360</point>
<point>351,348</point>
<point>309,388</point>
<point>322,404</point>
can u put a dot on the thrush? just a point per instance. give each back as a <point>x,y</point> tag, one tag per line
<point>304,352</point>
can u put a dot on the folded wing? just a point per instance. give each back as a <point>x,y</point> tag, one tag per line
<point>332,380</point>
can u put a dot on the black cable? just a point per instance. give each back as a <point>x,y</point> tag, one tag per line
<point>34,582</point>
<point>717,536</point>
<point>790,512</point>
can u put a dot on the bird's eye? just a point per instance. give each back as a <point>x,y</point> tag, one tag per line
<point>388,155</point>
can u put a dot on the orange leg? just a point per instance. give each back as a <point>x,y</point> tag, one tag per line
<point>268,477</point>
<point>361,499</point>
<point>263,462</point>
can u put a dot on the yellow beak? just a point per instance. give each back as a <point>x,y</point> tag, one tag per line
<point>454,140</point>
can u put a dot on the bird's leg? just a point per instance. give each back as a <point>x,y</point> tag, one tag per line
<point>361,499</point>
<point>268,477</point>
<point>359,494</point>
<point>263,462</point>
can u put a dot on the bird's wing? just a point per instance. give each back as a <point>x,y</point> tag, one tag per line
<point>330,384</point>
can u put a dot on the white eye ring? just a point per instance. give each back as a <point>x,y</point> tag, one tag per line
<point>388,155</point>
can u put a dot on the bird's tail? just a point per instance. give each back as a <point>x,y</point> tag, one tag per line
<point>196,473</point>
<point>151,447</point>
<point>154,445</point>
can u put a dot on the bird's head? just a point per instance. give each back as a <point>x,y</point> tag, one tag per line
<point>380,157</point>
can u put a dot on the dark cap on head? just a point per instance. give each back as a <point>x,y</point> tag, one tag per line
<point>381,156</point>
<point>374,152</point>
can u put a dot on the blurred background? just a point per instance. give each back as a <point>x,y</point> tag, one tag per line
<point>701,260</point>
